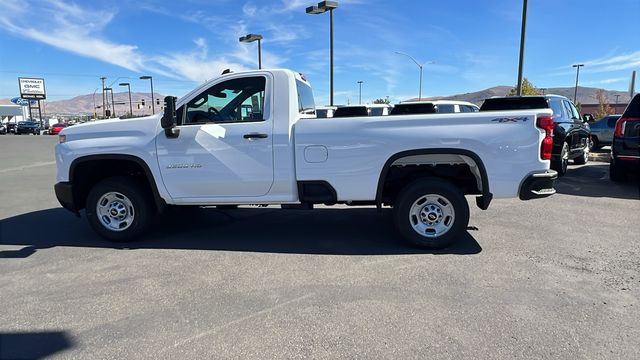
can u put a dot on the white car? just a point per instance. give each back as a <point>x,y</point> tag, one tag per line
<point>207,151</point>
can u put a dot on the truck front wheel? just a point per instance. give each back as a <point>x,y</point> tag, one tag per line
<point>431,213</point>
<point>119,208</point>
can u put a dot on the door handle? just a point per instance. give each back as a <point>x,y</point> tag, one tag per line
<point>255,136</point>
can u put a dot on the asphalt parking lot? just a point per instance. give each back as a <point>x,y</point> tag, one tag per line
<point>546,279</point>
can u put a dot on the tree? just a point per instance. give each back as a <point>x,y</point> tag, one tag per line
<point>382,101</point>
<point>603,106</point>
<point>527,89</point>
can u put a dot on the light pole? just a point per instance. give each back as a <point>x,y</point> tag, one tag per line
<point>575,93</point>
<point>522,37</point>
<point>420,66</point>
<point>104,114</point>
<point>360,83</point>
<point>94,104</point>
<point>251,38</point>
<point>113,104</point>
<point>146,77</point>
<point>617,96</point>
<point>130,104</point>
<point>322,7</point>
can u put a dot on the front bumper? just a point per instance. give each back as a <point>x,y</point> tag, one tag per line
<point>64,193</point>
<point>538,185</point>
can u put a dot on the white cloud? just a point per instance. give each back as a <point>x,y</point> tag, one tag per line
<point>608,63</point>
<point>67,26</point>
<point>79,30</point>
<point>606,81</point>
<point>249,9</point>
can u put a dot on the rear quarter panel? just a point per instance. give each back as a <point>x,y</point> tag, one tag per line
<point>357,148</point>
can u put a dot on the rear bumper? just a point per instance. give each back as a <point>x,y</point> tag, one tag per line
<point>64,194</point>
<point>538,185</point>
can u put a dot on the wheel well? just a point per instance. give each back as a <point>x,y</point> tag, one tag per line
<point>87,173</point>
<point>461,170</point>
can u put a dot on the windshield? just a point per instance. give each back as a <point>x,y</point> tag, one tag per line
<point>515,103</point>
<point>376,111</point>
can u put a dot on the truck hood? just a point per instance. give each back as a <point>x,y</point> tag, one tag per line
<point>113,128</point>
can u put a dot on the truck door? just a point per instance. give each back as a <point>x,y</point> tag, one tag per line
<point>225,144</point>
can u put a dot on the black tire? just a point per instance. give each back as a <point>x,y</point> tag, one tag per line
<point>616,173</point>
<point>561,164</point>
<point>139,198</point>
<point>595,144</point>
<point>584,158</point>
<point>441,189</point>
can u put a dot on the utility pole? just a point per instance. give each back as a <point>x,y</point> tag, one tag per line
<point>617,96</point>
<point>360,97</point>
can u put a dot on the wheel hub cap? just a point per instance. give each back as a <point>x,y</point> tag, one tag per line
<point>432,215</point>
<point>115,211</point>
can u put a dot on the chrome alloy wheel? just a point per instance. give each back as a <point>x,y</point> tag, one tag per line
<point>115,211</point>
<point>432,215</point>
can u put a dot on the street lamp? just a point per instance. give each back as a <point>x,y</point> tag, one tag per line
<point>130,104</point>
<point>146,77</point>
<point>251,38</point>
<point>360,83</point>
<point>575,93</point>
<point>419,66</point>
<point>322,7</point>
<point>617,96</point>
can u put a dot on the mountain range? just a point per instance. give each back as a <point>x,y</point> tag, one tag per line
<point>84,104</point>
<point>586,95</point>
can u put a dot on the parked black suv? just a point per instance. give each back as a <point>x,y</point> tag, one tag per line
<point>625,148</point>
<point>570,135</point>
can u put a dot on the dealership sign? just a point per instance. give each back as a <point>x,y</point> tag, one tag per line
<point>32,88</point>
<point>23,102</point>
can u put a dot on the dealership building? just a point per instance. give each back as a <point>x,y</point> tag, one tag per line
<point>12,113</point>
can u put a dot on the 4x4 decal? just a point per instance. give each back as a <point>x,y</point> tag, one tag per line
<point>511,119</point>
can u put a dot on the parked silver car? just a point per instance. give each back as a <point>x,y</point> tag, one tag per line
<point>602,131</point>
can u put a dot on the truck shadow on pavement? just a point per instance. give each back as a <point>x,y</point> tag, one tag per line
<point>33,345</point>
<point>593,181</point>
<point>355,231</point>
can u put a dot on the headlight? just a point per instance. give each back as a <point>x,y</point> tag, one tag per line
<point>62,138</point>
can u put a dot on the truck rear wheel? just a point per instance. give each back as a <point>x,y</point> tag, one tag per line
<point>119,208</point>
<point>560,165</point>
<point>431,213</point>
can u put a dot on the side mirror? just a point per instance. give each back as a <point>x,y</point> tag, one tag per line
<point>587,118</point>
<point>168,121</point>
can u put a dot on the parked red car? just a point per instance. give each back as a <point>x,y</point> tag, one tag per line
<point>56,128</point>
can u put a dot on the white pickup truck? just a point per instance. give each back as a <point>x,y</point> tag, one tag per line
<point>252,138</point>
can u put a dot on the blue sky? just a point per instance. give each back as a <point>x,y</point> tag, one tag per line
<point>472,44</point>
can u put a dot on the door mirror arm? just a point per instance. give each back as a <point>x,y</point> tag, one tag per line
<point>168,120</point>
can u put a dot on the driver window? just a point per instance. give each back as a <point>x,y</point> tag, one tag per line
<point>236,100</point>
